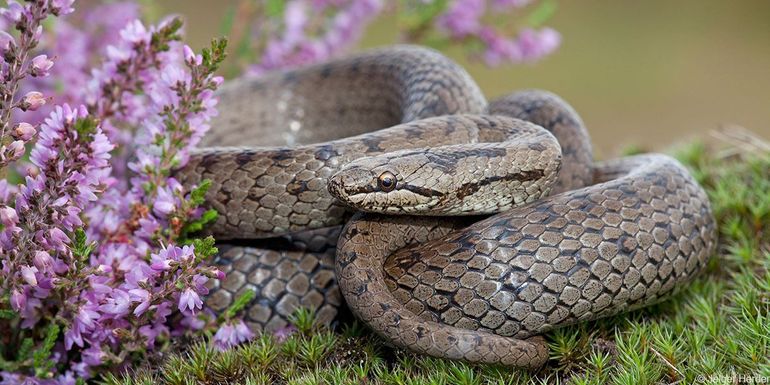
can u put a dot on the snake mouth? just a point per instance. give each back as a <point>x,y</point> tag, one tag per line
<point>350,182</point>
<point>335,187</point>
<point>358,187</point>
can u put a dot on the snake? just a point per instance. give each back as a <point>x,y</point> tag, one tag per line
<point>470,229</point>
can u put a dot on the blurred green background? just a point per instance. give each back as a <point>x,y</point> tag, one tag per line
<point>645,73</point>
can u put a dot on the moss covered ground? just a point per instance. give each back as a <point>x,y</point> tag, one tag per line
<point>717,331</point>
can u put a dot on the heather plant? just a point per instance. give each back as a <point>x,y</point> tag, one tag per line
<point>18,64</point>
<point>295,32</point>
<point>97,266</point>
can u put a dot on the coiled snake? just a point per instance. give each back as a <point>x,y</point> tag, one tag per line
<point>612,237</point>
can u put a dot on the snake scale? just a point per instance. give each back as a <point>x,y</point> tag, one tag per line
<point>470,228</point>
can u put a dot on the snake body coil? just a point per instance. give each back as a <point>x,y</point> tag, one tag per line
<point>277,199</point>
<point>612,237</point>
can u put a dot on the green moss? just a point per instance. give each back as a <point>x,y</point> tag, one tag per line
<point>718,327</point>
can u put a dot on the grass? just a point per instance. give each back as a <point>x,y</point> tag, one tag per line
<point>717,331</point>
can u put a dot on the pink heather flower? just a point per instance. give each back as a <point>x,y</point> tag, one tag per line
<point>538,43</point>
<point>57,238</point>
<point>12,12</point>
<point>38,32</point>
<point>15,150</point>
<point>282,334</point>
<point>93,356</point>
<point>87,317</point>
<point>162,311</point>
<point>23,131</point>
<point>5,191</point>
<point>189,299</point>
<point>43,260</point>
<point>9,378</point>
<point>40,65</point>
<point>151,333</point>
<point>85,321</point>
<point>185,253</point>
<point>6,42</point>
<point>32,101</point>
<point>199,282</point>
<point>62,7</point>
<point>118,304</point>
<point>295,19</point>
<point>232,334</point>
<point>191,57</point>
<point>301,41</point>
<point>135,33</point>
<point>143,297</point>
<point>174,254</point>
<point>28,274</point>
<point>503,4</point>
<point>8,216</point>
<point>164,202</point>
<point>18,300</point>
<point>462,18</point>
<point>160,264</point>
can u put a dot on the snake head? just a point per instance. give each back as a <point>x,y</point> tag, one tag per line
<point>380,184</point>
<point>470,179</point>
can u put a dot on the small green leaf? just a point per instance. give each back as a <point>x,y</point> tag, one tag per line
<point>7,314</point>
<point>204,248</point>
<point>239,303</point>
<point>41,356</point>
<point>192,227</point>
<point>85,127</point>
<point>209,216</point>
<point>542,13</point>
<point>170,32</point>
<point>80,239</point>
<point>213,56</point>
<point>25,350</point>
<point>80,246</point>
<point>197,225</point>
<point>198,194</point>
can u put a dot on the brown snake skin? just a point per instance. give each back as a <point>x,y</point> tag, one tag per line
<point>615,236</point>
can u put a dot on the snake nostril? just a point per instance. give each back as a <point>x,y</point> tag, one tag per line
<point>335,186</point>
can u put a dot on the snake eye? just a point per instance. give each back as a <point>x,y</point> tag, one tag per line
<point>386,181</point>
